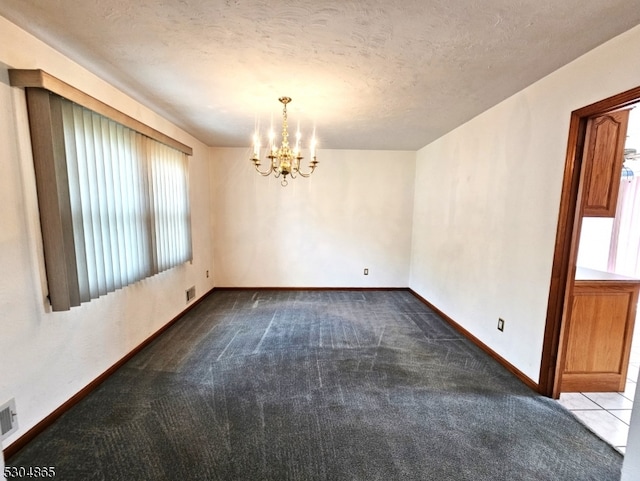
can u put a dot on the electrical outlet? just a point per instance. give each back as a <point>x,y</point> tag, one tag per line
<point>366,271</point>
<point>500,324</point>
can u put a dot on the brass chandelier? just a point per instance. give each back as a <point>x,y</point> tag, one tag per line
<point>284,161</point>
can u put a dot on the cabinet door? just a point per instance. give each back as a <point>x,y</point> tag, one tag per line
<point>604,154</point>
<point>600,330</point>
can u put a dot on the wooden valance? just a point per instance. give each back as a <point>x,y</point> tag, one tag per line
<point>41,79</point>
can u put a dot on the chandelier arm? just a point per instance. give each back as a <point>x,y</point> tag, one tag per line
<point>256,164</point>
<point>312,165</point>
<point>308,174</point>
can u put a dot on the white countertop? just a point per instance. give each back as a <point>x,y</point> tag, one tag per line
<point>586,274</point>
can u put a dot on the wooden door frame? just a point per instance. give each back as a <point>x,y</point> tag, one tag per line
<point>567,237</point>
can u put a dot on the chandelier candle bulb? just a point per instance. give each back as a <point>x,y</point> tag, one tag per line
<point>284,161</point>
<point>272,137</point>
<point>256,146</point>
<point>312,148</point>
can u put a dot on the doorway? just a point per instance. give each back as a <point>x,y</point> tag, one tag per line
<point>611,244</point>
<point>570,223</point>
<point>567,239</point>
<point>566,255</point>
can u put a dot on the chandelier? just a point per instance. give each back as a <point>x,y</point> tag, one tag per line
<point>284,161</point>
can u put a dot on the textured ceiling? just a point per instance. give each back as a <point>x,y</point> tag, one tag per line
<point>368,74</point>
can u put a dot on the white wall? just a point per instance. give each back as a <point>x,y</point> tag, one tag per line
<point>487,197</point>
<point>47,357</point>
<point>355,212</point>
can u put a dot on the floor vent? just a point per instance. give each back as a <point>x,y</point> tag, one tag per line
<point>191,293</point>
<point>8,419</point>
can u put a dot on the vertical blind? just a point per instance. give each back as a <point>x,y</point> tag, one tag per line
<point>125,199</point>
<point>129,202</point>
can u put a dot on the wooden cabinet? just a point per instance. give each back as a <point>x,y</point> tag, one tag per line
<point>603,157</point>
<point>599,332</point>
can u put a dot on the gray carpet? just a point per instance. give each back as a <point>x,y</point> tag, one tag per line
<point>317,385</point>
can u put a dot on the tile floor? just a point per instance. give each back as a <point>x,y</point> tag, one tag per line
<point>608,414</point>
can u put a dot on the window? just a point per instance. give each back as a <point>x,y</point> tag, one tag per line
<point>114,202</point>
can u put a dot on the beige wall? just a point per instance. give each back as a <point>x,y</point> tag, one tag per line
<point>355,212</point>
<point>48,357</point>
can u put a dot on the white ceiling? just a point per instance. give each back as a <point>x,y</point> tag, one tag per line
<point>368,74</point>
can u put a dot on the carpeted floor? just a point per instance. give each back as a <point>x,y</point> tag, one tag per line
<point>317,385</point>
